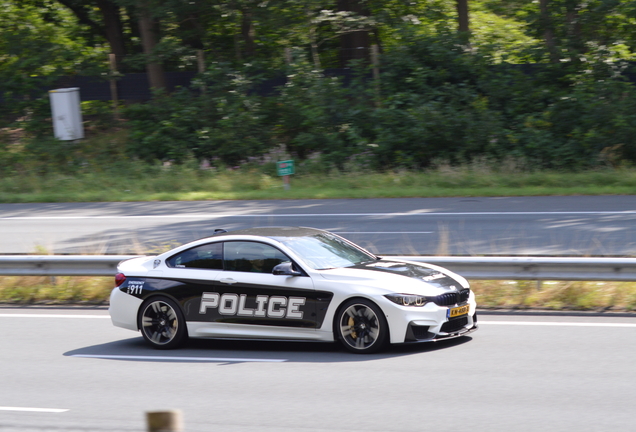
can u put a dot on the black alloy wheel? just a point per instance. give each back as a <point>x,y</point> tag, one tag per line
<point>361,326</point>
<point>161,323</point>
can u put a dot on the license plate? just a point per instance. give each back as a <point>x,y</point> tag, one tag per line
<point>458,311</point>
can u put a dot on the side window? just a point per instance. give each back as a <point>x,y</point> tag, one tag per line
<point>252,257</point>
<point>207,256</point>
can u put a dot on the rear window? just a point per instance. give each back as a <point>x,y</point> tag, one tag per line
<point>207,256</point>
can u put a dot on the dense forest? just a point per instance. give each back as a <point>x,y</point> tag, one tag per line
<point>546,83</point>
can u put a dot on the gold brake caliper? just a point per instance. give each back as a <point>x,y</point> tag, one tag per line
<point>351,324</point>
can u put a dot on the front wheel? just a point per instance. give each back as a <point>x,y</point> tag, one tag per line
<point>161,323</point>
<point>361,326</point>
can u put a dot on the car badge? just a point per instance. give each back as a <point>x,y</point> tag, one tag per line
<point>156,264</point>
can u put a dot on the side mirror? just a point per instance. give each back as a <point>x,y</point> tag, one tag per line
<point>285,269</point>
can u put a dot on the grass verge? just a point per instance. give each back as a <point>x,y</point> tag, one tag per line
<point>59,290</point>
<point>586,296</point>
<point>562,295</point>
<point>185,183</point>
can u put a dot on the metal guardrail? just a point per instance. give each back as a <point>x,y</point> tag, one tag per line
<point>60,265</point>
<point>484,268</point>
<point>536,268</point>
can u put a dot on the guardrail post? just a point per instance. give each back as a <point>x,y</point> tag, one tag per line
<point>165,421</point>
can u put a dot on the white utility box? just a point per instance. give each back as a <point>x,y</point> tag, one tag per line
<point>67,115</point>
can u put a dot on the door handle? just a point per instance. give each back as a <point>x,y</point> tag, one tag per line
<point>228,281</point>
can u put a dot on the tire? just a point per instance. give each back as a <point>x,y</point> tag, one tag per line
<point>360,327</point>
<point>161,323</point>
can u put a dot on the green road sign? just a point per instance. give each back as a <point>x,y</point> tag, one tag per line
<point>285,168</point>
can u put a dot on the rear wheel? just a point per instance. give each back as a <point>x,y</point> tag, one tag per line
<point>361,327</point>
<point>161,323</point>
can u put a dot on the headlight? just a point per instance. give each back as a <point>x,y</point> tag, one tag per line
<point>407,299</point>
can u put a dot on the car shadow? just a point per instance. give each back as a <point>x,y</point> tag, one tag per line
<point>239,351</point>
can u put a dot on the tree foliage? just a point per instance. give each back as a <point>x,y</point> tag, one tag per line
<point>543,82</point>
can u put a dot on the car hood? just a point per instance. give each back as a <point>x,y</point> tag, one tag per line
<point>400,276</point>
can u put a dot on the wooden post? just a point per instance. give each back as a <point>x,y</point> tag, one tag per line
<point>288,56</point>
<point>375,59</point>
<point>113,85</point>
<point>165,421</point>
<point>201,67</point>
<point>200,61</point>
<point>314,47</point>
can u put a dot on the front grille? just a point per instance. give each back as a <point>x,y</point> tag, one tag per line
<point>455,325</point>
<point>452,298</point>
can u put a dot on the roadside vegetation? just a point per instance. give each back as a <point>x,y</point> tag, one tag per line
<point>504,295</point>
<point>131,181</point>
<point>100,168</point>
<point>59,290</point>
<point>531,87</point>
<point>561,295</point>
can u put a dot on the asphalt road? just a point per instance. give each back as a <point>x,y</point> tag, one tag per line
<point>71,370</point>
<point>551,226</point>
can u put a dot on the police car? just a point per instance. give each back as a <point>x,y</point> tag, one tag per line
<point>288,283</point>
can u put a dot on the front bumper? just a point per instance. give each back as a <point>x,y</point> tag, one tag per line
<point>429,323</point>
<point>451,329</point>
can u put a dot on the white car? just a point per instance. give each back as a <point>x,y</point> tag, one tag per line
<point>288,283</point>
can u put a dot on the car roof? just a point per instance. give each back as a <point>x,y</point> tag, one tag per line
<point>273,232</point>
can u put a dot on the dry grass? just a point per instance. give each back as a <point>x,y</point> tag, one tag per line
<point>55,290</point>
<point>563,295</point>
<point>599,296</point>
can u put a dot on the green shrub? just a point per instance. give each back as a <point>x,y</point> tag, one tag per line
<point>225,121</point>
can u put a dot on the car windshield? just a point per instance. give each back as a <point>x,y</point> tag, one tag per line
<point>324,251</point>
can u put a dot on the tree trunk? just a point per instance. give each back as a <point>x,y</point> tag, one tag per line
<point>83,15</point>
<point>574,29</point>
<point>463,20</point>
<point>314,47</point>
<point>548,32</point>
<point>113,29</point>
<point>193,32</point>
<point>354,45</point>
<point>249,32</point>
<point>147,29</point>
<point>237,48</point>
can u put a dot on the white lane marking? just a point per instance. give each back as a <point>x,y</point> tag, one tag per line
<point>190,359</point>
<point>43,410</point>
<point>270,215</point>
<point>557,323</point>
<point>9,315</point>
